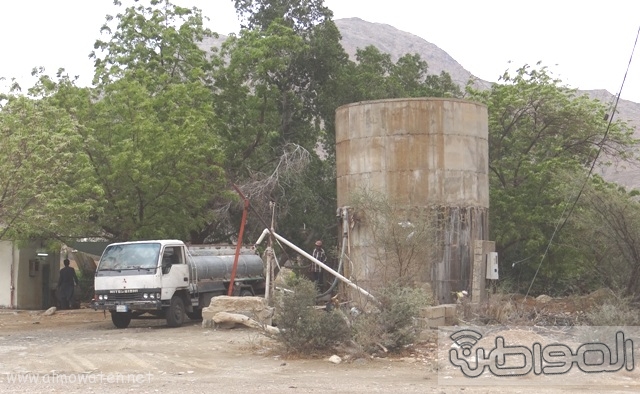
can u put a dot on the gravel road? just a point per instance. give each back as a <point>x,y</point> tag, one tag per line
<point>80,351</point>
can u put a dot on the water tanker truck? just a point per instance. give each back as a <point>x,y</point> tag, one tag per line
<point>168,279</point>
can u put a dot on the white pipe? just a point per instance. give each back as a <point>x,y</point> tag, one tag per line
<point>264,233</point>
<point>326,267</point>
<point>285,290</point>
<point>267,293</point>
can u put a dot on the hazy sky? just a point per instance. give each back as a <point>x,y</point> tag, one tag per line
<point>586,43</point>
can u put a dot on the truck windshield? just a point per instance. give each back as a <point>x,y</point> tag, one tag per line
<point>130,256</point>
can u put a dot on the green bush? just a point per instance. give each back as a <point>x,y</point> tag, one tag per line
<point>622,313</point>
<point>392,325</point>
<point>395,323</point>
<point>304,328</point>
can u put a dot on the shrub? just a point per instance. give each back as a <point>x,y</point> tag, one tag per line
<point>621,314</point>
<point>304,328</point>
<point>395,323</point>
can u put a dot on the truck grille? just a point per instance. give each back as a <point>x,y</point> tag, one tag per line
<point>125,297</point>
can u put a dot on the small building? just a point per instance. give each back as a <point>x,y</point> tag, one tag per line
<point>28,275</point>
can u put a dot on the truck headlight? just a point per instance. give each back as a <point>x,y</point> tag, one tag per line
<point>100,297</point>
<point>106,297</point>
<point>152,296</point>
<point>145,296</point>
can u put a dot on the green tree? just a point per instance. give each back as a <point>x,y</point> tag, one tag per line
<point>540,134</point>
<point>270,80</point>
<point>39,163</point>
<point>156,42</point>
<point>149,127</point>
<point>300,15</point>
<point>606,230</point>
<point>374,76</point>
<point>279,83</point>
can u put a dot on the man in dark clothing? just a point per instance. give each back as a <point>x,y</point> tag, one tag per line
<point>66,284</point>
<point>316,270</point>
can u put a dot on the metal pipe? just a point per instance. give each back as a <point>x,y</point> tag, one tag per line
<point>326,267</point>
<point>244,219</point>
<point>343,213</point>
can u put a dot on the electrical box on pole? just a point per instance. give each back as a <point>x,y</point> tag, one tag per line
<point>492,265</point>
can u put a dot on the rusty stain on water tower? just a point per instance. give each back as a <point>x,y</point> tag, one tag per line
<point>423,153</point>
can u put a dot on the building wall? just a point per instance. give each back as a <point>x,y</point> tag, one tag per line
<point>6,248</point>
<point>34,277</point>
<point>34,285</point>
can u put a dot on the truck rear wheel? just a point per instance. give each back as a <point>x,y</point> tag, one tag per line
<point>121,319</point>
<point>176,312</point>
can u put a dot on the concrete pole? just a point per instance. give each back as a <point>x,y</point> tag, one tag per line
<point>267,290</point>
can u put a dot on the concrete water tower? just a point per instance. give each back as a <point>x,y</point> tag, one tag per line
<point>425,153</point>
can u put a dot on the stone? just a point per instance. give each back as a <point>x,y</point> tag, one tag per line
<point>543,298</point>
<point>49,311</point>
<point>255,308</point>
<point>335,359</point>
<point>207,323</point>
<point>230,320</point>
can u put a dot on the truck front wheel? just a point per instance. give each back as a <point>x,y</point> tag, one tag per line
<point>120,319</point>
<point>175,314</point>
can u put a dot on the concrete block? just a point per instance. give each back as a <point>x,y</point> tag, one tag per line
<point>440,315</point>
<point>449,310</point>
<point>433,312</point>
<point>451,314</point>
<point>436,322</point>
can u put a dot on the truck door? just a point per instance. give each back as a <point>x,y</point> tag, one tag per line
<point>175,271</point>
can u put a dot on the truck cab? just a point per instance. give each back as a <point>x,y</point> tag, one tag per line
<point>134,278</point>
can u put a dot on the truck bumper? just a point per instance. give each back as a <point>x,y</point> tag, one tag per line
<point>127,306</point>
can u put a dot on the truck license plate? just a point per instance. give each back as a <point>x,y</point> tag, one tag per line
<point>121,308</point>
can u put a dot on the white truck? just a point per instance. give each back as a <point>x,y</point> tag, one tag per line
<point>169,279</point>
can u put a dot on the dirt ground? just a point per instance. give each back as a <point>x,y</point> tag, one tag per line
<point>80,351</point>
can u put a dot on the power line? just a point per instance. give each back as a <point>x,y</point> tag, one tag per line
<point>601,144</point>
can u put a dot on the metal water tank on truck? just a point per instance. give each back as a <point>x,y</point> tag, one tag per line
<point>168,279</point>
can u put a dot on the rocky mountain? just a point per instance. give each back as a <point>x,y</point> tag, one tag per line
<point>357,33</point>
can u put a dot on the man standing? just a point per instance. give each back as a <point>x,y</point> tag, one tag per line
<point>66,284</point>
<point>316,270</point>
